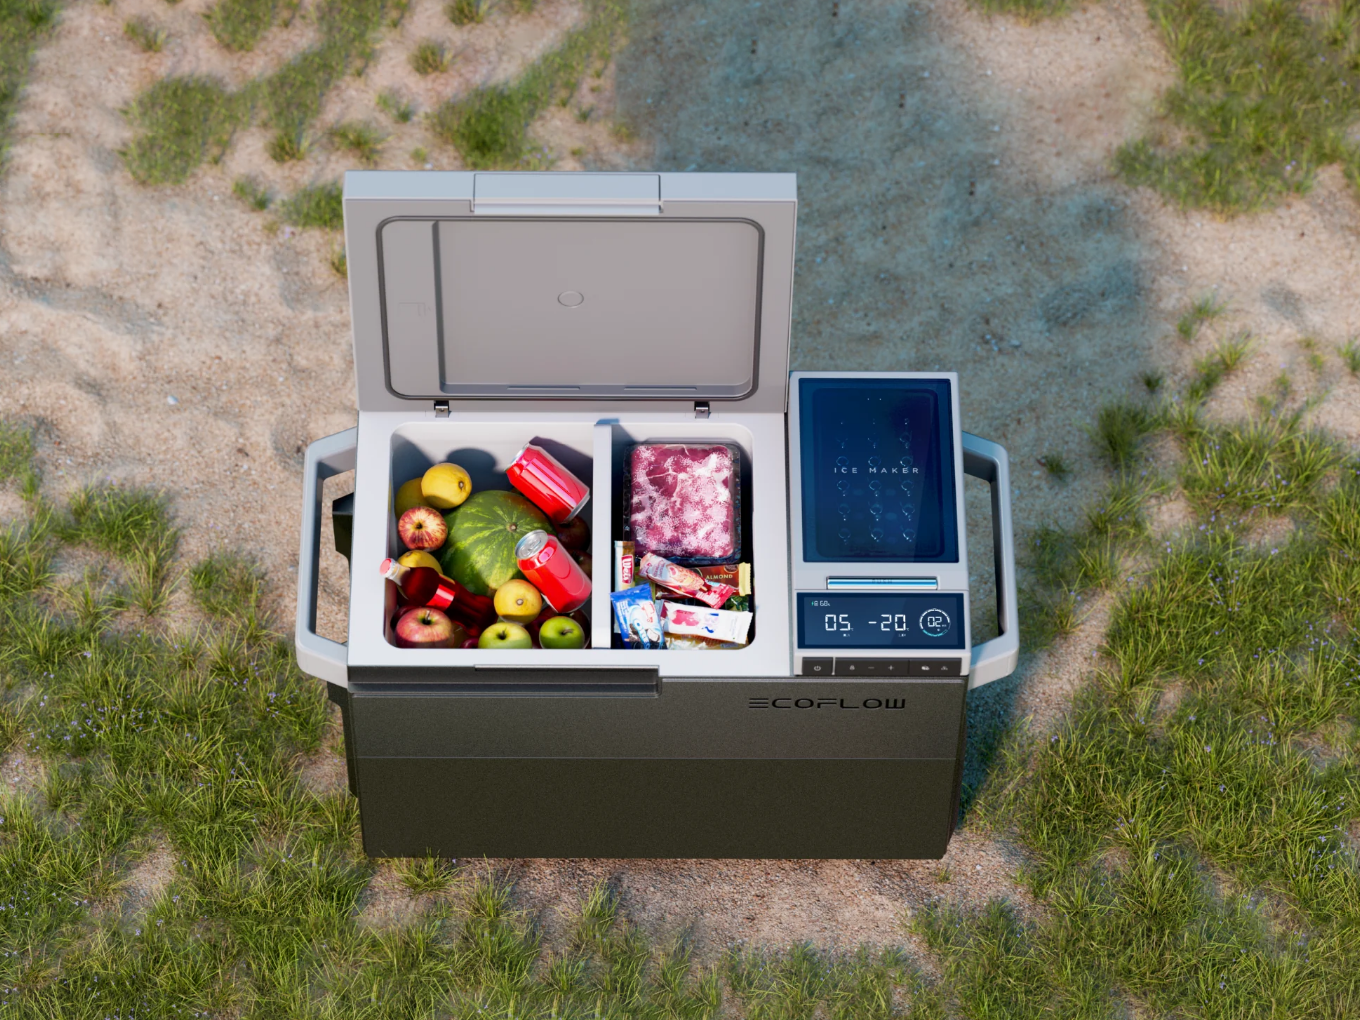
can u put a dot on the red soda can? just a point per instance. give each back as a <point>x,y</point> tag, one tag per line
<point>547,484</point>
<point>551,569</point>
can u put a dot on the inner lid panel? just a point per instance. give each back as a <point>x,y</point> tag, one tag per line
<point>572,306</point>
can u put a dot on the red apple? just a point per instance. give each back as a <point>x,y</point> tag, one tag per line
<point>575,534</point>
<point>469,643</point>
<point>422,527</point>
<point>587,563</point>
<point>428,628</point>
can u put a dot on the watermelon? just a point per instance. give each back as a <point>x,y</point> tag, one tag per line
<point>480,551</point>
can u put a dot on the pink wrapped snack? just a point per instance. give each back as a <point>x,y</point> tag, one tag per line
<point>689,583</point>
<point>714,624</point>
<point>684,502</point>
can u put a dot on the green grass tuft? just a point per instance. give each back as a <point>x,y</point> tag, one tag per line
<point>399,109</point>
<point>488,127</point>
<point>467,12</point>
<point>252,193</point>
<point>183,122</point>
<point>1056,467</point>
<point>1029,11</point>
<point>1264,466</point>
<point>1265,98</point>
<point>17,456</point>
<point>1120,430</point>
<point>1206,309</point>
<point>430,57</point>
<point>320,205</point>
<point>1350,354</point>
<point>22,24</point>
<point>144,32</point>
<point>339,263</point>
<point>227,586</point>
<point>358,137</point>
<point>239,24</point>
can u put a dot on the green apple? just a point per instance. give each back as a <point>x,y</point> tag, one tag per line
<point>505,635</point>
<point>561,632</point>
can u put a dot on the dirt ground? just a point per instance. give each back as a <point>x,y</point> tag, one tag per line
<point>957,212</point>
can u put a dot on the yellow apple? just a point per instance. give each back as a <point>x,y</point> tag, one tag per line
<point>408,496</point>
<point>518,601</point>
<point>445,486</point>
<point>418,558</point>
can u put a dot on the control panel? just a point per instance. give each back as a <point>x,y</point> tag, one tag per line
<point>878,544</point>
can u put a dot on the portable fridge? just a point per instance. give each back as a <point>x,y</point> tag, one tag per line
<point>589,312</point>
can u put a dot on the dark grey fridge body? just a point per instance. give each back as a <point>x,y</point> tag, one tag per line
<point>591,312</point>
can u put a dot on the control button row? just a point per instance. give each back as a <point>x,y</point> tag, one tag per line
<point>883,667</point>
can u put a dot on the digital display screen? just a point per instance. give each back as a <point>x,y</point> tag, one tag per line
<point>878,620</point>
<point>877,470</point>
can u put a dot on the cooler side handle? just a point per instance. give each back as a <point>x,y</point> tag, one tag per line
<point>997,658</point>
<point>317,656</point>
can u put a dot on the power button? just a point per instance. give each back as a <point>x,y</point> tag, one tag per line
<point>816,667</point>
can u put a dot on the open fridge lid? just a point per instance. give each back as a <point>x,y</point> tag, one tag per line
<point>513,290</point>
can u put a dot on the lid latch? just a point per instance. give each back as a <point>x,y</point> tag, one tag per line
<point>441,408</point>
<point>701,409</point>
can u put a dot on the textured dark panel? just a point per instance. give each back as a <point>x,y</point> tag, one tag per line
<point>655,808</point>
<point>787,718</point>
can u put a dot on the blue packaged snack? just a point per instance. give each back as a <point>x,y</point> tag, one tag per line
<point>636,614</point>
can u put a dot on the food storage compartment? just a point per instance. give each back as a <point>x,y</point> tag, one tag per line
<point>482,531</point>
<point>684,496</point>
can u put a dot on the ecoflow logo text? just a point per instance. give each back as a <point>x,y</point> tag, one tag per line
<point>813,703</point>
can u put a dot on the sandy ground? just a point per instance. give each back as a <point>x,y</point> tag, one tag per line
<point>957,212</point>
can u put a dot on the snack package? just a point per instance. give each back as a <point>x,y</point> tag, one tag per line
<point>684,581</point>
<point>737,575</point>
<point>623,565</point>
<point>715,624</point>
<point>636,615</point>
<point>683,501</point>
<point>688,642</point>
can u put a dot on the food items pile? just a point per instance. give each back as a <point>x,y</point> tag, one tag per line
<point>493,569</point>
<point>677,580</point>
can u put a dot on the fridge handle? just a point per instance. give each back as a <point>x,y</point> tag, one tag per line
<point>997,658</point>
<point>317,656</point>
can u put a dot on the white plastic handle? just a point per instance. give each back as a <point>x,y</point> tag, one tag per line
<point>997,658</point>
<point>317,656</point>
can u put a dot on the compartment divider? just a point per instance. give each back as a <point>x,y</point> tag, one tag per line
<point>601,537</point>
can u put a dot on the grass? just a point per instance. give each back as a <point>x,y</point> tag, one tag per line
<point>1189,850</point>
<point>1350,354</point>
<point>358,137</point>
<point>252,193</point>
<point>489,126</point>
<point>339,263</point>
<point>1119,431</point>
<point>1265,98</point>
<point>318,205</point>
<point>1056,467</point>
<point>144,32</point>
<point>239,24</point>
<point>430,57</point>
<point>467,12</point>
<point>1206,309</point>
<point>183,121</point>
<point>392,104</point>
<point>22,24</point>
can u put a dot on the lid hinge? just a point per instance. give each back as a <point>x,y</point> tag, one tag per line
<point>701,409</point>
<point>441,408</point>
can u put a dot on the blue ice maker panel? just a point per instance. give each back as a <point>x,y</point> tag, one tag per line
<point>877,470</point>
